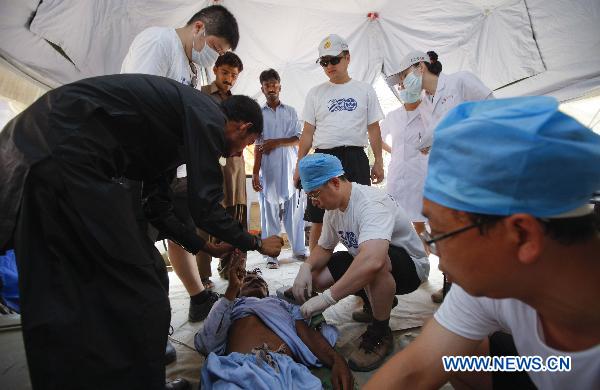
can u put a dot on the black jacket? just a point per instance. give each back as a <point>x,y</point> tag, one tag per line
<point>140,127</point>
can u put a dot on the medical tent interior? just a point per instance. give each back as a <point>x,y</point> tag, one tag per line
<point>516,47</point>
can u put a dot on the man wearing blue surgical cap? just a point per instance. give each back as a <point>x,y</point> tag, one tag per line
<point>507,197</point>
<point>384,254</point>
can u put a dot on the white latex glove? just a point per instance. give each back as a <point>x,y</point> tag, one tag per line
<point>317,305</point>
<point>302,288</point>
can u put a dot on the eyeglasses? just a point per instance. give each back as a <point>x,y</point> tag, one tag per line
<point>430,241</point>
<point>324,62</point>
<point>314,196</point>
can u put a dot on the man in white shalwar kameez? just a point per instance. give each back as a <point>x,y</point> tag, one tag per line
<point>274,162</point>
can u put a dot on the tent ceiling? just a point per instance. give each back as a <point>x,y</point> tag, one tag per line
<point>534,46</point>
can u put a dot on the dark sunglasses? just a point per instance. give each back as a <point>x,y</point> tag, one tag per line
<point>324,62</point>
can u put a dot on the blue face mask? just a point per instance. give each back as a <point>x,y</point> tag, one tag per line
<point>205,57</point>
<point>413,83</point>
<point>409,97</point>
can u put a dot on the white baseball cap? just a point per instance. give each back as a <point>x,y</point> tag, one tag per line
<point>413,57</point>
<point>332,45</point>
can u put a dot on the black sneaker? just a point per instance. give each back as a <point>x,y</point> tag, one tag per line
<point>365,314</point>
<point>373,348</point>
<point>170,353</point>
<point>199,312</point>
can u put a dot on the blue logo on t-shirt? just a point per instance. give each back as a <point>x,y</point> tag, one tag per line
<point>349,239</point>
<point>343,104</point>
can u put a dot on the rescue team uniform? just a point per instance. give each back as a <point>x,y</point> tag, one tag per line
<point>372,214</point>
<point>341,114</point>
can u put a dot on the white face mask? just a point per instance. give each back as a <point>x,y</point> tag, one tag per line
<point>409,97</point>
<point>205,57</point>
<point>413,82</point>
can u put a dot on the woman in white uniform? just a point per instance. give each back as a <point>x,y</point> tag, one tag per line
<point>408,166</point>
<point>408,127</point>
<point>442,93</point>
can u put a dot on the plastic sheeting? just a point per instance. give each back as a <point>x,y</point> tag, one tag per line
<point>534,46</point>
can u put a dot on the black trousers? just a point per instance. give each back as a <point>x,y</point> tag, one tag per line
<point>404,270</point>
<point>94,290</point>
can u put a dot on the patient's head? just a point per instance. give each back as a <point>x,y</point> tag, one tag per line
<point>253,285</point>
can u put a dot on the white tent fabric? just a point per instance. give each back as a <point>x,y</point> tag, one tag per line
<point>568,36</point>
<point>533,46</point>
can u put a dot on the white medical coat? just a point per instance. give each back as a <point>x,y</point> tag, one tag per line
<point>408,167</point>
<point>452,90</point>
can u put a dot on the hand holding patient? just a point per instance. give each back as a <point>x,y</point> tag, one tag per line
<point>271,246</point>
<point>217,250</point>
<point>302,288</point>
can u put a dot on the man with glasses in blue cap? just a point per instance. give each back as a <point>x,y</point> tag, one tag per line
<point>384,254</point>
<point>507,197</point>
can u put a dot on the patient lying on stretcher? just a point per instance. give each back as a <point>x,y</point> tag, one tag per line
<point>259,342</point>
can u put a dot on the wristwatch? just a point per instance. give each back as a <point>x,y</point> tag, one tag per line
<point>258,243</point>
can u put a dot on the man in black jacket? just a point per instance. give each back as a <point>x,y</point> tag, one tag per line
<point>95,309</point>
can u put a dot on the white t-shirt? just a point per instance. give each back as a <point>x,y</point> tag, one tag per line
<point>341,113</point>
<point>373,215</point>
<point>159,51</point>
<point>477,317</point>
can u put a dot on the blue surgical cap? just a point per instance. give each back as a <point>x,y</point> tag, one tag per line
<point>508,156</point>
<point>317,168</point>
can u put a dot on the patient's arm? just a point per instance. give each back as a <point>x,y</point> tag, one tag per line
<point>212,336</point>
<point>341,377</point>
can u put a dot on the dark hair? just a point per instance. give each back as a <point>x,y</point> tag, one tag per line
<point>230,59</point>
<point>219,22</point>
<point>434,66</point>
<point>567,231</point>
<point>258,273</point>
<point>342,177</point>
<point>245,109</point>
<point>268,75</point>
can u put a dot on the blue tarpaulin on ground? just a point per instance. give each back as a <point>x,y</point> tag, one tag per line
<point>9,280</point>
